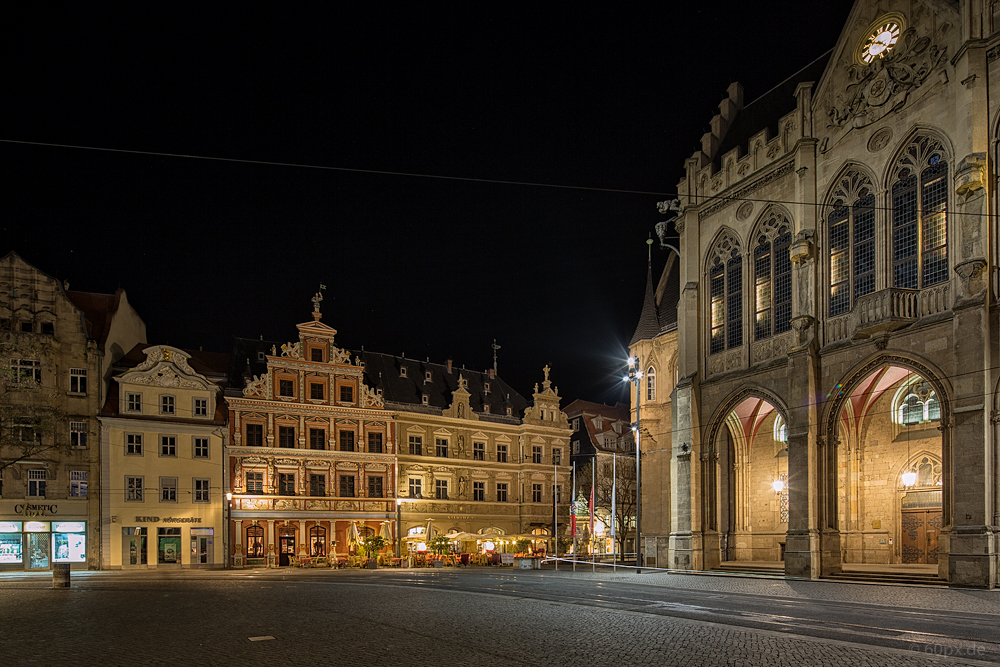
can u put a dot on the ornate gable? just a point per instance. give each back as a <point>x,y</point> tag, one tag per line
<point>166,366</point>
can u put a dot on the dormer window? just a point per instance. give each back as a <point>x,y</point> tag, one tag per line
<point>402,371</point>
<point>486,408</point>
<point>510,410</point>
<point>427,376</point>
<point>316,354</point>
<point>424,399</point>
<point>486,387</point>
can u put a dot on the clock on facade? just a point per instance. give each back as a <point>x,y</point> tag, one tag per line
<point>880,40</point>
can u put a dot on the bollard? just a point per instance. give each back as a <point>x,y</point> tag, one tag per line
<point>60,575</point>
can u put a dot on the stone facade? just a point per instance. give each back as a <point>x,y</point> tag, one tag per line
<point>835,261</point>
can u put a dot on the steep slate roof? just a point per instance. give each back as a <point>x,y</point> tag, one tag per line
<point>590,437</point>
<point>98,309</point>
<point>382,371</point>
<point>659,306</point>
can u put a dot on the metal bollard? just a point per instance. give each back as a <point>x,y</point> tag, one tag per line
<point>60,575</point>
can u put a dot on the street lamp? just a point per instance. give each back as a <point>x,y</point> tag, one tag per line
<point>633,376</point>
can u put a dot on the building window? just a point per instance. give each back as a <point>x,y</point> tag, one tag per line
<point>316,354</point>
<point>166,405</point>
<point>286,436</point>
<point>416,445</point>
<point>347,441</point>
<point>255,435</point>
<point>375,443</point>
<point>316,390</point>
<point>502,492</point>
<point>201,407</point>
<point>402,371</point>
<point>576,446</point>
<point>425,399</point>
<point>479,451</point>
<point>286,388</point>
<point>375,487</point>
<point>415,484</point>
<point>317,538</point>
<point>133,489</point>
<point>536,454</point>
<point>48,328</point>
<point>26,370</point>
<point>133,444</point>
<point>255,482</point>
<point>919,216</point>
<point>428,376</point>
<point>317,484</point>
<point>317,438</point>
<point>576,425</point>
<point>852,242</point>
<point>780,430</point>
<point>725,278</point>
<point>650,384</point>
<point>36,482</point>
<point>917,403</point>
<point>255,542</point>
<point>501,453</point>
<point>479,491</point>
<point>27,327</point>
<point>133,402</point>
<point>486,387</point>
<point>78,381</point>
<point>441,447</point>
<point>346,394</point>
<point>558,493</point>
<point>168,445</point>
<point>487,409</point>
<point>78,434</point>
<point>557,456</point>
<point>441,489</point>
<point>168,489</point>
<point>201,448</point>
<point>78,483</point>
<point>347,486</point>
<point>536,493</point>
<point>286,484</point>
<point>201,490</point>
<point>772,276</point>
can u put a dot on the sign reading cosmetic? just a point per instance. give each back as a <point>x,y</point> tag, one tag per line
<point>68,527</point>
<point>36,526</point>
<point>35,509</point>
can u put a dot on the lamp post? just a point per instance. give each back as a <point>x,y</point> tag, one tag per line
<point>634,375</point>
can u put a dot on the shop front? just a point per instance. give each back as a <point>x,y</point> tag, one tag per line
<point>34,536</point>
<point>167,542</point>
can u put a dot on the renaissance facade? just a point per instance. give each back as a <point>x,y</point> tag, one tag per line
<point>836,396</point>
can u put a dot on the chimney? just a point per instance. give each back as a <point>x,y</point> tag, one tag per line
<point>493,373</point>
<point>449,366</point>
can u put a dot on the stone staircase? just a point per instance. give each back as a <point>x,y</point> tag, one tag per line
<point>903,577</point>
<point>776,569</point>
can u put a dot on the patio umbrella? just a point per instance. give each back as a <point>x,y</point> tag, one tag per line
<point>352,534</point>
<point>384,531</point>
<point>430,531</point>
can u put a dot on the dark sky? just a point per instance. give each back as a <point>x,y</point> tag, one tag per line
<point>604,99</point>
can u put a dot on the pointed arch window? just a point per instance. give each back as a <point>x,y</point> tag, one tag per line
<point>919,216</point>
<point>852,242</point>
<point>650,384</point>
<point>918,403</point>
<point>725,277</point>
<point>772,269</point>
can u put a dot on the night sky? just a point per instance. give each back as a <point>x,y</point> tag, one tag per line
<point>600,100</point>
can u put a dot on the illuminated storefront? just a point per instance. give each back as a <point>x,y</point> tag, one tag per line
<point>36,545</point>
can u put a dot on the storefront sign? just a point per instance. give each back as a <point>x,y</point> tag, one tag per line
<point>68,527</point>
<point>168,519</point>
<point>10,526</point>
<point>36,526</point>
<point>32,509</point>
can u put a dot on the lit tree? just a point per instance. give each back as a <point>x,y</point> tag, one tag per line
<point>624,505</point>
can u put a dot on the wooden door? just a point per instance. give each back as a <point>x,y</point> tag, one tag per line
<point>921,529</point>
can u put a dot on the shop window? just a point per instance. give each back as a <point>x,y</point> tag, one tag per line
<point>501,453</point>
<point>255,482</point>
<point>375,489</point>
<point>286,484</point>
<point>317,534</point>
<point>255,435</point>
<point>133,444</point>
<point>168,489</point>
<point>502,492</point>
<point>725,283</point>
<point>36,482</point>
<point>134,489</point>
<point>316,391</point>
<point>255,542</point>
<point>441,489</point>
<point>536,454</point>
<point>919,216</point>
<point>201,450</point>
<point>133,402</point>
<point>557,456</point>
<point>347,486</point>
<point>478,451</point>
<point>317,438</point>
<point>78,434</point>
<point>166,405</point>
<point>78,380</point>
<point>168,548</point>
<point>852,242</point>
<point>168,445</point>
<point>375,443</point>
<point>441,447</point>
<point>78,483</point>
<point>201,490</point>
<point>536,493</point>
<point>479,491</point>
<point>346,394</point>
<point>347,441</point>
<point>286,388</point>
<point>286,436</point>
<point>201,407</point>
<point>415,484</point>
<point>416,445</point>
<point>317,485</point>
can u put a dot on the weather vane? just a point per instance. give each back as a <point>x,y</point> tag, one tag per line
<point>495,348</point>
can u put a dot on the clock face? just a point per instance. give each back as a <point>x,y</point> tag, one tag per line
<point>880,41</point>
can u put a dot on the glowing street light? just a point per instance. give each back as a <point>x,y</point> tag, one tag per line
<point>634,375</point>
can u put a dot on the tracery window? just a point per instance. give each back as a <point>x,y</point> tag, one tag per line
<point>917,403</point>
<point>772,269</point>
<point>725,277</point>
<point>919,216</point>
<point>650,384</point>
<point>852,242</point>
<point>780,429</point>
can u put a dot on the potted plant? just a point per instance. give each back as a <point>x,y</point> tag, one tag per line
<point>439,544</point>
<point>370,547</point>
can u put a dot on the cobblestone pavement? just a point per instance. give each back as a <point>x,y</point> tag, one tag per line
<point>459,617</point>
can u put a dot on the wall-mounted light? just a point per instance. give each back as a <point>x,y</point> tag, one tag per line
<point>909,478</point>
<point>778,486</point>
